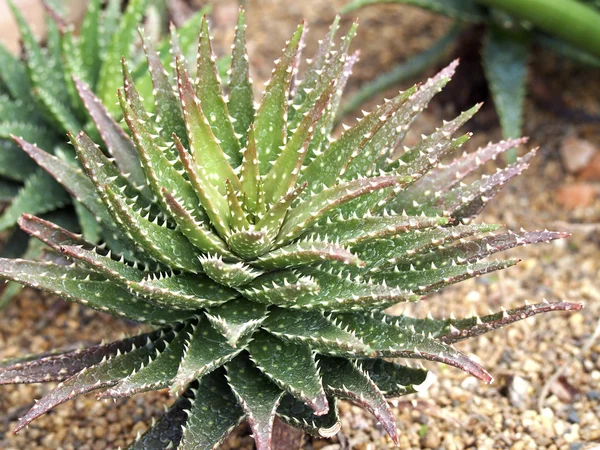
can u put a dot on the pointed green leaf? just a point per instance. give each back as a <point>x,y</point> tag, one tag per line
<point>183,291</point>
<point>270,121</point>
<point>167,106</point>
<point>319,205</point>
<point>52,78</point>
<point>211,163</point>
<point>434,279</point>
<point>63,365</point>
<point>228,274</point>
<point>208,90</point>
<point>505,55</point>
<point>394,380</point>
<point>286,169</point>
<point>313,329</point>
<point>405,116</point>
<point>333,163</point>
<point>14,75</point>
<point>270,222</point>
<point>345,380</point>
<point>249,175</point>
<point>306,252</point>
<point>241,98</point>
<point>157,373</point>
<point>454,330</point>
<point>205,350</point>
<point>195,229</point>
<point>298,415</point>
<point>237,318</point>
<point>237,216</point>
<point>86,287</point>
<point>89,42</point>
<point>279,288</point>
<point>14,163</point>
<point>403,247</point>
<point>258,396</point>
<point>354,230</point>
<point>212,416</point>
<point>474,250</point>
<point>40,194</point>
<point>168,429</point>
<point>291,366</point>
<point>119,46</point>
<point>209,197</point>
<point>341,292</point>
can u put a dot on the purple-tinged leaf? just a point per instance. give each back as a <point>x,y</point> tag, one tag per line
<point>415,105</point>
<point>467,202</point>
<point>118,144</point>
<point>102,375</point>
<point>444,177</point>
<point>49,233</point>
<point>63,365</point>
<point>474,250</point>
<point>392,341</point>
<point>454,330</point>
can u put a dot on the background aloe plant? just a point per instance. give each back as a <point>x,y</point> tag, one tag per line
<point>42,105</point>
<point>262,250</point>
<point>571,28</point>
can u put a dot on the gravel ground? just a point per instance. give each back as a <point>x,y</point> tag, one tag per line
<point>556,354</point>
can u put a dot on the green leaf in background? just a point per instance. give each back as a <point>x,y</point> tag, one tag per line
<point>505,56</point>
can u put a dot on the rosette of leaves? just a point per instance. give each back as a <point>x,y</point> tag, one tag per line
<point>571,28</point>
<point>264,251</point>
<point>43,105</point>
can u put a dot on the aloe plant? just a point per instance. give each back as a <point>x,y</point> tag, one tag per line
<point>263,251</point>
<point>43,105</point>
<point>569,27</point>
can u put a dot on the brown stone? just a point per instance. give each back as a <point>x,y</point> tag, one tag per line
<point>574,196</point>
<point>592,170</point>
<point>576,153</point>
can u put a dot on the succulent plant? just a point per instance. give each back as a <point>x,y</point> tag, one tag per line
<point>571,28</point>
<point>263,251</point>
<point>42,106</point>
